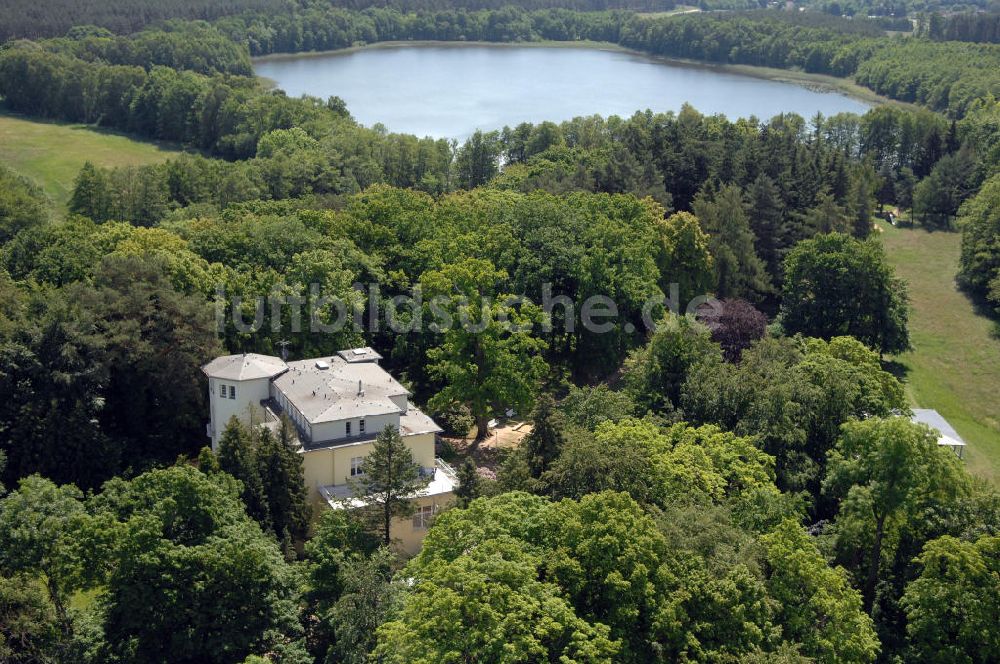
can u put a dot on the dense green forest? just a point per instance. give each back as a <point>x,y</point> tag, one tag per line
<point>898,8</point>
<point>967,27</point>
<point>733,485</point>
<point>944,76</point>
<point>53,18</point>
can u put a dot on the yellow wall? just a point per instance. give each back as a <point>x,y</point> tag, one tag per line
<point>422,446</point>
<point>408,538</point>
<point>317,470</point>
<point>331,466</point>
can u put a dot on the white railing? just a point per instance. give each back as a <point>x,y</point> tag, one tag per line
<point>445,467</point>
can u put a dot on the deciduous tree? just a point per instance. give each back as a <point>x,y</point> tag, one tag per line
<point>814,601</point>
<point>735,325</point>
<point>22,205</point>
<point>186,575</point>
<point>488,356</point>
<point>488,604</point>
<point>836,285</point>
<point>884,471</point>
<point>953,607</point>
<point>38,523</point>
<point>654,374</point>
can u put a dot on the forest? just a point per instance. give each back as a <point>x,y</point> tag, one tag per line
<point>966,27</point>
<point>944,76</point>
<point>732,485</point>
<point>21,19</point>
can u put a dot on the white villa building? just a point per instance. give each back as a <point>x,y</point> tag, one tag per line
<point>338,405</point>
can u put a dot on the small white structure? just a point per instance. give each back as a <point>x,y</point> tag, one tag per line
<point>338,405</point>
<point>947,436</point>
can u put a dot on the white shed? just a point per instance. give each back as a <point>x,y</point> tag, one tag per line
<point>947,436</point>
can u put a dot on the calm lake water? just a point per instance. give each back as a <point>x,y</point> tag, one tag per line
<point>450,91</point>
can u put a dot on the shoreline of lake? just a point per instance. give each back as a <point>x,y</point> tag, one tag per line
<point>817,82</point>
<point>452,89</point>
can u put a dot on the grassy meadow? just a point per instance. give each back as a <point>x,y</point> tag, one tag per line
<point>955,364</point>
<point>52,153</point>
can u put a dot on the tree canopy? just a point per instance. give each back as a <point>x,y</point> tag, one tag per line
<point>836,285</point>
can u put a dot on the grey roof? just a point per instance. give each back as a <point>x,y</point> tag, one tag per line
<point>246,366</point>
<point>934,420</point>
<point>326,395</point>
<point>411,423</point>
<point>363,354</point>
<point>414,421</point>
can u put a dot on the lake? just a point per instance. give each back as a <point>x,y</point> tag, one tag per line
<point>449,91</point>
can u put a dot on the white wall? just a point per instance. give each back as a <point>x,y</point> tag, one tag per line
<point>337,430</point>
<point>246,405</point>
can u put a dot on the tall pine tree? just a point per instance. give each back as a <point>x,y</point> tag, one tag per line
<point>390,477</point>
<point>764,208</point>
<point>468,483</point>
<point>862,202</point>
<point>739,270</point>
<point>237,457</point>
<point>543,444</point>
<point>279,466</point>
<point>91,194</point>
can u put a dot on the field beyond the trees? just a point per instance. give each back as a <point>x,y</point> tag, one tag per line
<point>955,364</point>
<point>51,153</point>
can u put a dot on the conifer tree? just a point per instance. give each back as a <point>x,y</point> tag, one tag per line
<point>862,201</point>
<point>543,444</point>
<point>827,216</point>
<point>390,477</point>
<point>207,462</point>
<point>738,269</point>
<point>886,193</point>
<point>468,483</point>
<point>237,457</point>
<point>281,476</point>
<point>765,212</point>
<point>91,197</point>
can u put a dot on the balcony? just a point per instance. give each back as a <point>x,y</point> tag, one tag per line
<point>442,480</point>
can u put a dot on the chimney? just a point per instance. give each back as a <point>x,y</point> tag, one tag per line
<point>361,389</point>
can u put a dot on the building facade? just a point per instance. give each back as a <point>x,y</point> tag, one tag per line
<point>338,405</point>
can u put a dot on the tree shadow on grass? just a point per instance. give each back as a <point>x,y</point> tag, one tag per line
<point>982,307</point>
<point>897,369</point>
<point>159,144</point>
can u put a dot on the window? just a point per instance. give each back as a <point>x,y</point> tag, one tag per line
<point>347,428</point>
<point>422,517</point>
<point>361,426</point>
<point>232,391</point>
<point>222,390</point>
<point>356,466</point>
